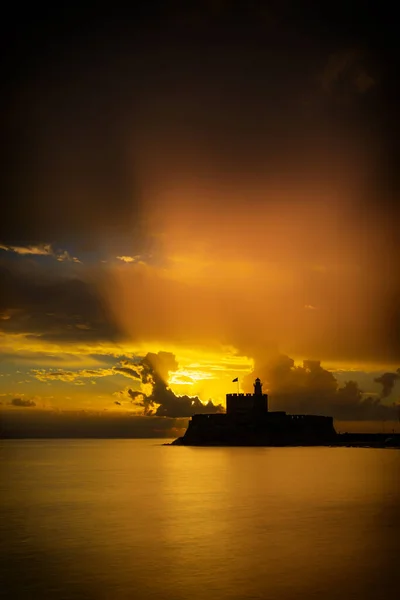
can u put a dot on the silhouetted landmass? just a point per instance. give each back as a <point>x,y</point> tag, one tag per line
<point>248,422</point>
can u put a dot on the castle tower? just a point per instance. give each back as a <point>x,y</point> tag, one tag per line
<point>260,400</point>
<point>248,404</point>
<point>257,387</point>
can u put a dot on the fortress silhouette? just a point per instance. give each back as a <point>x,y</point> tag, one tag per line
<point>248,422</point>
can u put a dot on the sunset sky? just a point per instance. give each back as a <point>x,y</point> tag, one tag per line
<point>199,194</point>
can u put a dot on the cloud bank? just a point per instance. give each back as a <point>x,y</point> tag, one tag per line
<point>23,403</point>
<point>155,397</point>
<point>311,389</point>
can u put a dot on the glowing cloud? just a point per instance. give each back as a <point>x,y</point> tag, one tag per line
<point>40,250</point>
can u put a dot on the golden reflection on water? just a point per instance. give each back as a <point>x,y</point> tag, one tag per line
<point>134,519</point>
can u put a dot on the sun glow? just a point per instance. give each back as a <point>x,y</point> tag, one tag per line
<point>189,376</point>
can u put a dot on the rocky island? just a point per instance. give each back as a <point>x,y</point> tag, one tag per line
<point>248,422</point>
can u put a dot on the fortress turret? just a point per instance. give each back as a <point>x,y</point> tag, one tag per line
<point>248,404</point>
<point>257,387</point>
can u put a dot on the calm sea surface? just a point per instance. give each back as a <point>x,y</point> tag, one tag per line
<point>113,519</point>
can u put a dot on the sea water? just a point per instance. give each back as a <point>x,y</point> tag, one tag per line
<point>133,519</point>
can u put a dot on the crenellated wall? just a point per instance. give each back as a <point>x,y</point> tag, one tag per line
<point>275,428</point>
<point>246,403</point>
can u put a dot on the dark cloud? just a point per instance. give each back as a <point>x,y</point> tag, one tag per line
<point>37,357</point>
<point>388,381</point>
<point>345,70</point>
<point>41,250</point>
<point>22,402</point>
<point>76,376</point>
<point>136,397</point>
<point>311,389</point>
<point>128,372</point>
<point>109,359</point>
<point>52,305</point>
<point>161,400</point>
<point>237,73</point>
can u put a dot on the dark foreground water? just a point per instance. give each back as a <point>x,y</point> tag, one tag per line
<point>113,519</point>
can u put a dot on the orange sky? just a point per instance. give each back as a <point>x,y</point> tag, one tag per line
<point>226,203</point>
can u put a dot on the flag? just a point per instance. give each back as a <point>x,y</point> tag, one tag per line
<point>237,379</point>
